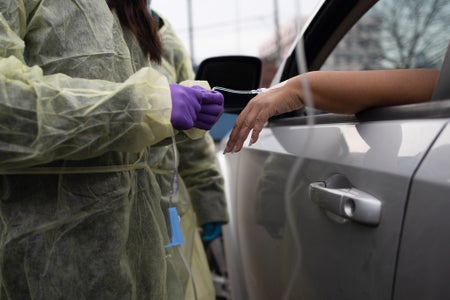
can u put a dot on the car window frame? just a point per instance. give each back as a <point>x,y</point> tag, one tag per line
<point>323,32</point>
<point>321,35</point>
<point>426,110</point>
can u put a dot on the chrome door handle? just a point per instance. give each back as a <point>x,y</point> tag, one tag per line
<point>348,203</point>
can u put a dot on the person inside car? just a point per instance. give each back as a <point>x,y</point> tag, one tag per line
<point>344,92</point>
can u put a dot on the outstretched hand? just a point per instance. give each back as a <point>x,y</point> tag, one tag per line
<point>279,99</point>
<point>342,92</point>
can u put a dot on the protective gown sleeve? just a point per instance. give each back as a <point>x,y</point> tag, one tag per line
<point>49,117</point>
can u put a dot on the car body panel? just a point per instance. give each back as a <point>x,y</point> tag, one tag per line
<point>351,260</point>
<point>424,267</point>
<point>299,228</point>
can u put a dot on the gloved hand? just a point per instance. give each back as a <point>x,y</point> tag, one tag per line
<point>211,231</point>
<point>195,107</point>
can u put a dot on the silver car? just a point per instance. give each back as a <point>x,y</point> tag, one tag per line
<point>328,206</point>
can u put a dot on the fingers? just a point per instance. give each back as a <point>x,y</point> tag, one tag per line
<point>252,118</point>
<point>195,107</point>
<point>212,109</point>
<point>238,136</point>
<point>206,121</point>
<point>272,102</point>
<point>208,118</point>
<point>205,125</point>
<point>208,115</point>
<point>212,97</point>
<point>209,96</point>
<point>259,125</point>
<point>186,105</point>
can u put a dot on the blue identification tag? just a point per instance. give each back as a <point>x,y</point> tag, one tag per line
<point>176,236</point>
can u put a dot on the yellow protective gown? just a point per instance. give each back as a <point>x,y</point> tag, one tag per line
<point>201,197</point>
<point>80,207</point>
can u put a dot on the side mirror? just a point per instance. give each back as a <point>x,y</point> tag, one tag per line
<point>232,72</point>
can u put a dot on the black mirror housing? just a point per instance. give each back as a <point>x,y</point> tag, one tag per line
<point>235,72</point>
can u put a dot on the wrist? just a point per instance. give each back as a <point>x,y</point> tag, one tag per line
<point>298,89</point>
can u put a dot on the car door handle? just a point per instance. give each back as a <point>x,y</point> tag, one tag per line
<point>348,203</point>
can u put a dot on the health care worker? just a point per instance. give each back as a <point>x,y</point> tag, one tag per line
<point>201,198</point>
<point>80,207</point>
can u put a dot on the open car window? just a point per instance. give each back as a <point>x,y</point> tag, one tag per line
<point>392,34</point>
<point>395,34</point>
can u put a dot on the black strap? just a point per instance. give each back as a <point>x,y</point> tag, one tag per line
<point>157,18</point>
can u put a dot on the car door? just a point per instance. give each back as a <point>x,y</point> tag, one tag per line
<point>424,267</point>
<point>317,205</point>
<point>423,264</point>
<point>292,244</point>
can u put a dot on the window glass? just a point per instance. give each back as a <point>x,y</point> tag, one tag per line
<point>396,34</point>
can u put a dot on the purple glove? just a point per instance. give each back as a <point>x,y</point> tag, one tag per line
<point>212,108</point>
<point>195,107</point>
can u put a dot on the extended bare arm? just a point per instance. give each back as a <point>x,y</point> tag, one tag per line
<point>346,92</point>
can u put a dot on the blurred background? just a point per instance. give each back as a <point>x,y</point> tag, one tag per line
<point>262,28</point>
<point>250,27</point>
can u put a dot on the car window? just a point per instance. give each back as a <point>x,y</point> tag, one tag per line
<point>395,34</point>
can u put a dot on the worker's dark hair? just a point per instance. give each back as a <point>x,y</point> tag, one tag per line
<point>134,15</point>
